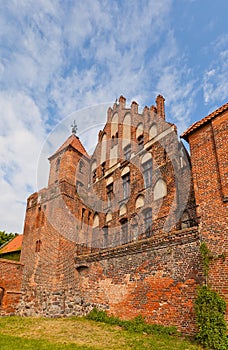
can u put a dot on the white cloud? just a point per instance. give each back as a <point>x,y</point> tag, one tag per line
<point>22,132</point>
<point>215,83</point>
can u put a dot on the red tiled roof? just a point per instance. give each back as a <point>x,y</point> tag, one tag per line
<point>13,245</point>
<point>206,119</point>
<point>73,141</point>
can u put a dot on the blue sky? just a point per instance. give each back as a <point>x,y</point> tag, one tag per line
<point>60,58</point>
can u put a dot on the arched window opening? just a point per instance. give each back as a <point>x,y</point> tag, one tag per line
<point>103,148</point>
<point>147,169</point>
<point>108,216</point>
<point>160,189</point>
<point>139,203</point>
<point>123,209</point>
<point>126,130</point>
<point>95,220</point>
<point>153,131</point>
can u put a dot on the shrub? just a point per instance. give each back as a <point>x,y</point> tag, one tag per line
<point>137,325</point>
<point>210,309</point>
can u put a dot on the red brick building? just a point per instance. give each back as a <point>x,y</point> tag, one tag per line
<point>121,229</point>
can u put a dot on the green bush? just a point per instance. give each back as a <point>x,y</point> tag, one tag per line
<point>210,309</point>
<point>137,325</point>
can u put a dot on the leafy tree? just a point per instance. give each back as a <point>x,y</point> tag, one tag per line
<point>6,237</point>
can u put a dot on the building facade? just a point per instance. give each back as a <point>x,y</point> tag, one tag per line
<point>121,229</point>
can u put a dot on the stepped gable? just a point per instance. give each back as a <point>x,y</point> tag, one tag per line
<point>13,245</point>
<point>74,142</point>
<point>203,121</point>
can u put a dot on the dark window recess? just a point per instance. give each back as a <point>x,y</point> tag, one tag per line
<point>1,295</point>
<point>110,193</point>
<point>124,231</point>
<point>114,140</point>
<point>103,168</point>
<point>79,186</point>
<point>81,167</point>
<point>83,216</point>
<point>147,173</point>
<point>94,175</point>
<point>140,141</point>
<point>127,152</point>
<point>148,222</point>
<point>38,245</point>
<point>57,164</point>
<point>126,185</point>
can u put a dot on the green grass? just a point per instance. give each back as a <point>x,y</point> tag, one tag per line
<point>18,333</point>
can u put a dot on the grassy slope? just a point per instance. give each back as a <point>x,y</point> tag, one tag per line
<point>78,333</point>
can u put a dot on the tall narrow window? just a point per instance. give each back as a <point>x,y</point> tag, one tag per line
<point>127,152</point>
<point>57,164</point>
<point>147,173</point>
<point>81,167</point>
<point>148,222</point>
<point>110,193</point>
<point>124,231</point>
<point>103,167</point>
<point>105,231</point>
<point>126,185</point>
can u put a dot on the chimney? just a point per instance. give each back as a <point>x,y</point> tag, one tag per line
<point>122,102</point>
<point>134,107</point>
<point>160,102</point>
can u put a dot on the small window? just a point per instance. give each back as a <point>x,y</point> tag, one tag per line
<point>126,185</point>
<point>127,152</point>
<point>38,245</point>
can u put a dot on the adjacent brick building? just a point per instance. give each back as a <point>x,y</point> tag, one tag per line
<point>121,229</point>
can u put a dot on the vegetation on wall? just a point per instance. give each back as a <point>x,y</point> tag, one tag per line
<point>210,309</point>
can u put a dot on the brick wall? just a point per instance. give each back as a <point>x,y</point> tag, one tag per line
<point>10,282</point>
<point>208,144</point>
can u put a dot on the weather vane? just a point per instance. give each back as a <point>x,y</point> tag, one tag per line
<point>74,128</point>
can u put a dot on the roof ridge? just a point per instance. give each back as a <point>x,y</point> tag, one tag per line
<point>204,120</point>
